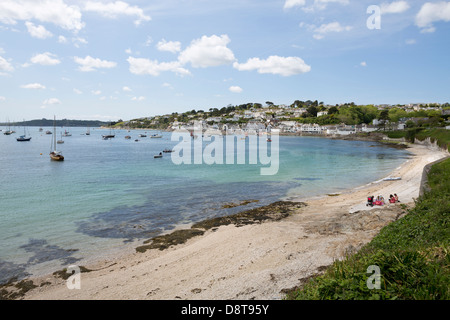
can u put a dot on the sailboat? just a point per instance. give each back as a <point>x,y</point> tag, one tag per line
<point>110,135</point>
<point>60,141</point>
<point>67,133</point>
<point>24,137</point>
<point>9,131</point>
<point>55,155</point>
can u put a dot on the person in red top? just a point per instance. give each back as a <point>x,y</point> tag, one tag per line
<point>391,199</point>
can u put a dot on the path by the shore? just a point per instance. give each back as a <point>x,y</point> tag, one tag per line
<point>255,261</point>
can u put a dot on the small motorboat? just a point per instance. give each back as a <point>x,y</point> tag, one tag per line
<point>167,150</point>
<point>156,136</point>
<point>158,156</point>
<point>142,135</point>
<point>392,178</point>
<point>128,137</point>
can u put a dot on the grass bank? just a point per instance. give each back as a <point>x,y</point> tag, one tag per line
<point>412,255</point>
<point>438,135</point>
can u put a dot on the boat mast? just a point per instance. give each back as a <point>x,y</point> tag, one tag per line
<point>54,133</point>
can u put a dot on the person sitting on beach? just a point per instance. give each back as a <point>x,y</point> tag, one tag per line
<point>382,200</point>
<point>396,198</point>
<point>378,201</point>
<point>370,201</point>
<point>391,199</point>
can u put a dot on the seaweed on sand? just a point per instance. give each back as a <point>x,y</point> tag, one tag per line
<point>275,211</point>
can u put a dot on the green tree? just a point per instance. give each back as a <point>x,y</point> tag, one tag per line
<point>333,110</point>
<point>384,117</point>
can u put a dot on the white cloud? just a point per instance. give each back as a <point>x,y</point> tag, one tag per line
<point>394,7</point>
<point>322,4</point>
<point>208,52</point>
<point>127,89</point>
<point>171,46</point>
<point>2,98</point>
<point>91,64</point>
<point>167,85</point>
<point>141,98</point>
<point>45,59</point>
<point>148,42</point>
<point>33,86</point>
<point>77,91</point>
<point>77,41</point>
<point>294,3</point>
<point>62,39</point>
<point>411,41</point>
<point>51,101</point>
<point>114,9</point>
<point>96,92</point>
<point>235,89</point>
<point>430,13</point>
<point>320,32</point>
<point>49,11</point>
<point>5,65</point>
<point>141,66</point>
<point>38,31</point>
<point>363,64</point>
<point>285,66</point>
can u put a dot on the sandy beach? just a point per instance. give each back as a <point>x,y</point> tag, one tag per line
<point>255,261</point>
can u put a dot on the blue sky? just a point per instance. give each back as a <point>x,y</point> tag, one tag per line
<point>110,60</point>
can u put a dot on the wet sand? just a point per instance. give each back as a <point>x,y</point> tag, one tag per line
<point>258,259</point>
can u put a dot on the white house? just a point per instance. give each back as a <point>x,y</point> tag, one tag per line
<point>311,128</point>
<point>368,128</point>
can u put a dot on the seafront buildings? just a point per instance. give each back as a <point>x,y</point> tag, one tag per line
<point>310,118</point>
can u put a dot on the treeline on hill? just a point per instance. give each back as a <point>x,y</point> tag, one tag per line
<point>60,123</point>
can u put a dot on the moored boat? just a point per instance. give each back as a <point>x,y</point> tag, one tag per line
<point>55,155</point>
<point>23,138</point>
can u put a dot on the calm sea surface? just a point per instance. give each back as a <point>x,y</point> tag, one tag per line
<point>109,194</point>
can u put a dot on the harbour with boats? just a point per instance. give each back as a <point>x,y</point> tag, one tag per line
<point>109,195</point>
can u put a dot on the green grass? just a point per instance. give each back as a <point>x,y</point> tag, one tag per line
<point>439,135</point>
<point>412,254</point>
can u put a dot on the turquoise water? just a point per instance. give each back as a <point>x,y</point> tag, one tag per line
<point>108,194</point>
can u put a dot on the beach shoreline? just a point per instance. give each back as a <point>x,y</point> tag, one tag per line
<point>251,261</point>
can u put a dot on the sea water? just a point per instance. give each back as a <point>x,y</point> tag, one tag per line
<point>110,194</point>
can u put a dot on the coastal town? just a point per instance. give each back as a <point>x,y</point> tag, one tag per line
<point>301,117</point>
